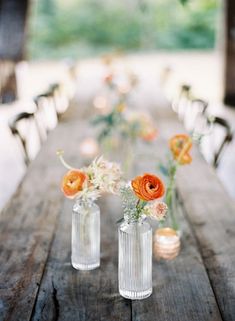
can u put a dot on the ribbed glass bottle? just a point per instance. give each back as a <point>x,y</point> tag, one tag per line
<point>135,259</point>
<point>85,235</point>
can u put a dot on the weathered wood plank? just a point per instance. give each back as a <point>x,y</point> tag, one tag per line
<point>181,288</point>
<point>211,213</point>
<point>27,227</point>
<point>68,294</point>
<point>26,230</point>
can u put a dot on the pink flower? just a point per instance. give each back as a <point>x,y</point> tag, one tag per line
<point>157,210</point>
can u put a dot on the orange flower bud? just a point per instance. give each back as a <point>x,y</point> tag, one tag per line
<point>180,146</point>
<point>150,135</point>
<point>148,187</point>
<point>109,78</point>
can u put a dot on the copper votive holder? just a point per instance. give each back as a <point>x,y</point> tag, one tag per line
<point>166,243</point>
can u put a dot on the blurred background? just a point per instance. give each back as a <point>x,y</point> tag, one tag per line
<point>167,43</point>
<point>86,28</point>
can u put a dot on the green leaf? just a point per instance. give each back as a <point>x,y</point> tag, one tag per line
<point>120,220</point>
<point>163,169</point>
<point>98,119</point>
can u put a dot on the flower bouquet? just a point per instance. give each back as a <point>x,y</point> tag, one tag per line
<point>119,130</point>
<point>180,146</point>
<point>140,199</point>
<point>85,185</point>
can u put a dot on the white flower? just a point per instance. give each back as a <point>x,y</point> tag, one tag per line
<point>104,175</point>
<point>89,193</point>
<point>156,210</point>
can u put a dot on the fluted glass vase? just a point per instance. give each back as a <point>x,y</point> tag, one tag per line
<point>135,259</point>
<point>85,235</point>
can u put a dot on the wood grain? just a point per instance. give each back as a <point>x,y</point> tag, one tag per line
<point>26,231</point>
<point>37,281</point>
<point>68,294</point>
<point>211,214</point>
<point>181,288</point>
<point>27,227</point>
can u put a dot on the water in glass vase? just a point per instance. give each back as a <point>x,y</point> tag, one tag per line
<point>172,219</point>
<point>135,259</point>
<point>111,147</point>
<point>85,235</point>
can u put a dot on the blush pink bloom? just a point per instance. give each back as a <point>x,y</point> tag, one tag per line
<point>158,210</point>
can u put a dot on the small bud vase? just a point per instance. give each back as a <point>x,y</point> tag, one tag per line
<point>120,149</point>
<point>135,259</point>
<point>166,243</point>
<point>85,235</point>
<point>172,219</point>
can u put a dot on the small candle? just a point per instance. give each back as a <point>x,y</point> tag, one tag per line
<point>166,243</point>
<point>89,148</point>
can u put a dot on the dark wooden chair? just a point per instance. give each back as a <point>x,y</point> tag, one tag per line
<point>25,128</point>
<point>46,110</point>
<point>182,100</point>
<point>195,108</point>
<point>60,97</point>
<point>214,144</point>
<point>228,137</point>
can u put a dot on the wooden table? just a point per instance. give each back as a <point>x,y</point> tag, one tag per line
<point>37,281</point>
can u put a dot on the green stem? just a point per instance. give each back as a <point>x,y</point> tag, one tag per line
<point>128,158</point>
<point>170,200</point>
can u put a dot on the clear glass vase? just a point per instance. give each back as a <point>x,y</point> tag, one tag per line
<point>172,219</point>
<point>120,149</point>
<point>135,259</point>
<point>85,235</point>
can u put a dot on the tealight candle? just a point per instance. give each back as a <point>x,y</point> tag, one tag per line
<point>89,148</point>
<point>166,243</point>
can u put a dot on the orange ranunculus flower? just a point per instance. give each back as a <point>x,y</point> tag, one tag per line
<point>180,146</point>
<point>150,135</point>
<point>109,78</point>
<point>72,183</point>
<point>148,187</point>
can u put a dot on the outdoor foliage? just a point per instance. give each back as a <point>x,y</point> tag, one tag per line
<point>76,28</point>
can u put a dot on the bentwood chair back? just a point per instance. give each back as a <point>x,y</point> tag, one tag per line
<point>181,102</point>
<point>214,144</point>
<point>196,108</point>
<point>24,128</point>
<point>46,110</point>
<point>61,99</point>
<point>224,125</point>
